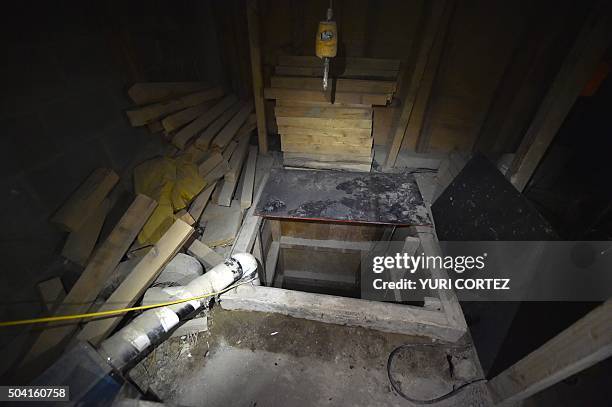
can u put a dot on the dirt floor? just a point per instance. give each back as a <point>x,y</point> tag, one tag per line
<point>259,359</point>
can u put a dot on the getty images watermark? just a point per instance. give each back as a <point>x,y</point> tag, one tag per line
<point>490,271</point>
<point>411,264</point>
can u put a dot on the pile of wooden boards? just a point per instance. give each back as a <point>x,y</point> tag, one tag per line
<point>332,129</point>
<point>212,127</point>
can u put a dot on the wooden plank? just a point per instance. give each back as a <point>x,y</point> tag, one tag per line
<point>318,96</point>
<point>146,114</point>
<point>217,173</point>
<point>209,162</point>
<point>351,113</point>
<point>448,298</point>
<point>342,85</point>
<point>185,217</point>
<point>402,319</point>
<point>583,344</point>
<point>588,49</point>
<point>350,158</point>
<point>252,14</point>
<point>85,200</point>
<point>52,293</point>
<point>199,203</point>
<point>180,119</point>
<point>250,226</point>
<point>222,224</point>
<point>205,255</point>
<point>215,127</point>
<point>155,127</point>
<point>229,150</point>
<point>91,281</point>
<point>325,149</point>
<point>419,119</point>
<point>346,73</point>
<point>226,193</point>
<point>182,137</point>
<point>298,162</point>
<point>434,23</point>
<point>351,62</point>
<point>237,160</point>
<point>326,104</point>
<point>316,123</point>
<point>81,243</point>
<point>292,242</point>
<point>135,284</point>
<point>271,262</point>
<point>334,141</point>
<point>326,132</point>
<point>231,128</point>
<point>151,92</point>
<point>246,195</point>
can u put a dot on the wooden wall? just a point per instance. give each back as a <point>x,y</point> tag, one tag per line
<point>488,52</point>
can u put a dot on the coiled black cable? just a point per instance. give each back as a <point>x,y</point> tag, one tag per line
<point>434,400</point>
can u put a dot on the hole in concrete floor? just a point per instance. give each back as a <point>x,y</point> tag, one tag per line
<point>325,258</point>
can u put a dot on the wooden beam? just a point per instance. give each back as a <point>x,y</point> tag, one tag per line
<point>100,267</point>
<point>250,226</point>
<point>81,243</point>
<point>209,162</point>
<point>222,224</point>
<point>588,49</point>
<point>346,72</point>
<point>351,62</point>
<point>246,195</point>
<point>204,254</point>
<point>182,137</point>
<point>252,12</point>
<point>418,125</point>
<point>52,293</point>
<point>85,200</point>
<point>402,319</point>
<point>342,85</point>
<point>146,114</point>
<point>180,119</point>
<point>151,92</point>
<point>139,279</point>
<point>586,342</point>
<point>341,245</point>
<point>199,203</point>
<point>433,23</point>
<point>231,128</point>
<point>203,142</point>
<point>318,96</point>
<point>271,262</point>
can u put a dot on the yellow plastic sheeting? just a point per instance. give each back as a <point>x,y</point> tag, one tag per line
<point>173,183</point>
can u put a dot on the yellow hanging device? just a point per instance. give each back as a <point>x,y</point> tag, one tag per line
<point>326,45</point>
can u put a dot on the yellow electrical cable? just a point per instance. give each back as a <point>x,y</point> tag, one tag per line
<point>110,312</point>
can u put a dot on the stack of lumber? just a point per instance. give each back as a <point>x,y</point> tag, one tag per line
<point>325,136</point>
<point>333,129</point>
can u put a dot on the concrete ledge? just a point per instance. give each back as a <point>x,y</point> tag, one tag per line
<point>387,317</point>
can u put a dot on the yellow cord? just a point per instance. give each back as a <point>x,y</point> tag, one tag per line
<point>109,312</point>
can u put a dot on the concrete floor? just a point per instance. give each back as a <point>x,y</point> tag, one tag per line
<point>259,359</point>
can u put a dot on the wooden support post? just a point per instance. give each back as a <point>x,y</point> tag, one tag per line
<point>591,44</point>
<point>258,86</point>
<point>586,342</point>
<point>433,21</point>
<point>419,123</point>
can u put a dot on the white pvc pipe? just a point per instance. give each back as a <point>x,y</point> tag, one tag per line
<point>152,326</point>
